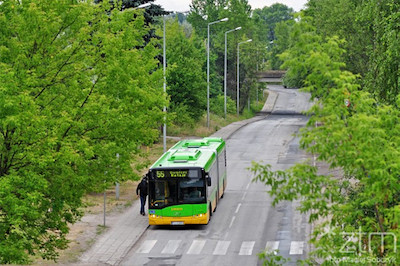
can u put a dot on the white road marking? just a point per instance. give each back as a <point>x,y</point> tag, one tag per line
<point>247,187</point>
<point>244,195</point>
<point>296,248</point>
<point>272,246</point>
<point>238,207</point>
<point>247,248</point>
<point>171,247</point>
<point>196,247</point>
<point>221,248</point>
<point>146,246</point>
<point>233,219</point>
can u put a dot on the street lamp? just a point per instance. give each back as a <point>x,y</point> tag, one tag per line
<point>208,68</point>
<point>225,66</point>
<point>165,89</point>
<point>237,84</point>
<point>142,6</point>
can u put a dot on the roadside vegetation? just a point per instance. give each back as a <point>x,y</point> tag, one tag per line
<point>346,54</point>
<point>81,99</point>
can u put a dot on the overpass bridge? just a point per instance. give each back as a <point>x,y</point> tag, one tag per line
<point>271,76</point>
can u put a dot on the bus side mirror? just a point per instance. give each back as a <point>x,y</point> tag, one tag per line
<point>208,181</point>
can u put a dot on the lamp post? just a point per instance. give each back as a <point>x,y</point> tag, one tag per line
<point>142,6</point>
<point>208,68</point>
<point>237,84</point>
<point>165,89</point>
<point>225,66</point>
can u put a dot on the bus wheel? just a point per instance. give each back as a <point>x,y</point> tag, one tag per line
<point>223,190</point>
<point>210,211</point>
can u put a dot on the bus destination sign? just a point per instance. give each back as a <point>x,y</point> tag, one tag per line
<point>172,173</point>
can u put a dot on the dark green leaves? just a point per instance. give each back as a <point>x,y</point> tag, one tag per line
<point>74,93</point>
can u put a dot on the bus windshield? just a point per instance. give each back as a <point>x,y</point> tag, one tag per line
<point>176,191</point>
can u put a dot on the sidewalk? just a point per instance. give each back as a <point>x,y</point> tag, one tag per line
<point>112,246</point>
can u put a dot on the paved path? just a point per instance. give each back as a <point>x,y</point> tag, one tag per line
<point>112,246</point>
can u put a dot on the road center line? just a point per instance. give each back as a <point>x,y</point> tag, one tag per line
<point>233,219</point>
<point>247,187</point>
<point>238,207</point>
<point>244,195</point>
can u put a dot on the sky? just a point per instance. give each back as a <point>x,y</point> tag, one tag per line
<point>183,5</point>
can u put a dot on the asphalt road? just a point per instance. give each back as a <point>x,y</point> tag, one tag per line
<point>244,223</point>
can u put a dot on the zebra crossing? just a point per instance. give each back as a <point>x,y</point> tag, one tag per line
<point>220,247</point>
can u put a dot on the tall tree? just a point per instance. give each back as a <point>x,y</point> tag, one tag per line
<point>73,94</point>
<point>356,135</point>
<point>370,30</point>
<point>203,12</point>
<point>150,12</point>
<point>185,76</point>
<point>267,18</point>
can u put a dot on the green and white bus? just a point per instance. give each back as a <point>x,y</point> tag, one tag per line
<point>186,182</point>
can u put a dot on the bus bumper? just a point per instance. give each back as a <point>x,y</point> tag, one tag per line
<point>195,219</point>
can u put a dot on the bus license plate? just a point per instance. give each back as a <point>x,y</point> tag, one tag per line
<point>177,223</point>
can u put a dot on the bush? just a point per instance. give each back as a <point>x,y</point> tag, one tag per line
<point>182,116</point>
<point>217,105</point>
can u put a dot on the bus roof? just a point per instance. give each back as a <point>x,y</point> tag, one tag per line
<point>191,153</point>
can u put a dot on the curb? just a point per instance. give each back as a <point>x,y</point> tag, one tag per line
<point>111,247</point>
<point>229,130</point>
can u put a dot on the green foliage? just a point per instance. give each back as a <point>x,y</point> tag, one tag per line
<point>370,29</point>
<point>361,139</point>
<point>267,18</point>
<point>345,19</point>
<point>185,74</point>
<point>384,57</point>
<point>217,105</point>
<point>203,12</point>
<point>280,44</point>
<point>182,117</point>
<point>73,95</point>
<point>271,259</point>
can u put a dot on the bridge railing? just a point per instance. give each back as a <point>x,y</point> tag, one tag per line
<point>271,74</point>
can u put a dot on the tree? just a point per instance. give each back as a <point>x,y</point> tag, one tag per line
<point>203,12</point>
<point>362,140</point>
<point>267,18</point>
<point>73,94</point>
<point>280,44</point>
<point>369,28</point>
<point>185,76</point>
<point>150,13</point>
<point>302,39</point>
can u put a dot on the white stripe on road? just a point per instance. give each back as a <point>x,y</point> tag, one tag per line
<point>233,219</point>
<point>272,246</point>
<point>247,187</point>
<point>246,248</point>
<point>238,207</point>
<point>171,247</point>
<point>221,248</point>
<point>146,246</point>
<point>196,247</point>
<point>296,248</point>
<point>244,195</point>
